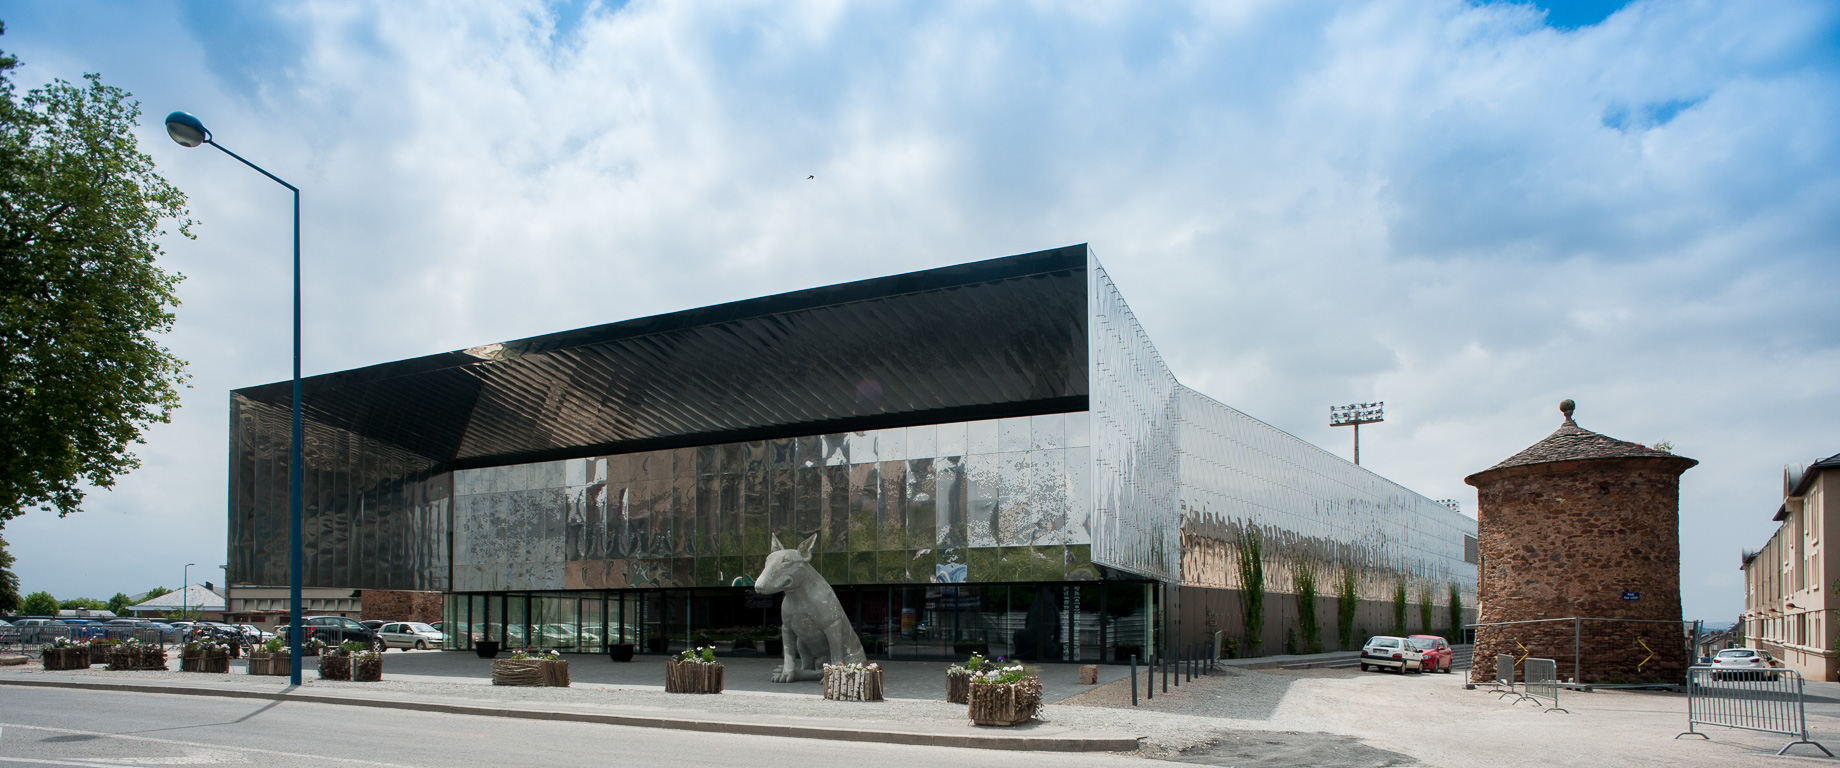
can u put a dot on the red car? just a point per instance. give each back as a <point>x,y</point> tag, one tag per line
<point>1436,651</point>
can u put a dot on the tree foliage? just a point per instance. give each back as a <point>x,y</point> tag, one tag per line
<point>9,582</point>
<point>82,301</point>
<point>119,603</point>
<point>1251,566</point>
<point>1348,601</point>
<point>39,604</point>
<point>1456,613</point>
<point>1303,582</point>
<point>82,604</point>
<point>1399,607</point>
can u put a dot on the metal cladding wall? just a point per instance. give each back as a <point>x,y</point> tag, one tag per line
<point>984,501</point>
<point>1001,339</point>
<point>373,515</point>
<point>1307,505</point>
<point>1134,439</point>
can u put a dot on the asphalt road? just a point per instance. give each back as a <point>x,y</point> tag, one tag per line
<point>59,727</point>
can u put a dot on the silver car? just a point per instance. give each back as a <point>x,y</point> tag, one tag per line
<point>410,634</point>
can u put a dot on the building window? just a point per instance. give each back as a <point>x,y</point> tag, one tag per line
<point>1471,554</point>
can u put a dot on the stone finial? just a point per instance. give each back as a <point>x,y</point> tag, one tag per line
<point>1566,407</point>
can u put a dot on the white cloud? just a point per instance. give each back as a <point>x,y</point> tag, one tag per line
<point>1448,207</point>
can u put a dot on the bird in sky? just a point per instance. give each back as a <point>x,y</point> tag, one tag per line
<point>809,178</point>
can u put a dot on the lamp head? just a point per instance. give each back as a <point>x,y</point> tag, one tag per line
<point>186,130</point>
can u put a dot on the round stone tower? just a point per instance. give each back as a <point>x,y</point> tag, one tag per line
<point>1582,526</point>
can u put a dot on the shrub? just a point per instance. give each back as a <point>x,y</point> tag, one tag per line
<point>1251,564</point>
<point>1399,606</point>
<point>1303,580</point>
<point>1348,601</point>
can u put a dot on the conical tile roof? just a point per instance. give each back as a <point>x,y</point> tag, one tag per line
<point>1573,443</point>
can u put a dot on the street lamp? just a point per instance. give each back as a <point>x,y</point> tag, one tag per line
<point>185,590</point>
<point>189,132</point>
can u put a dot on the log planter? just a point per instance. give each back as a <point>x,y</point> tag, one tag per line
<point>99,651</point>
<point>1005,704</point>
<point>137,657</point>
<point>845,683</point>
<point>262,663</point>
<point>74,657</point>
<point>204,660</point>
<point>692,677</point>
<point>544,672</point>
<point>958,685</point>
<point>361,667</point>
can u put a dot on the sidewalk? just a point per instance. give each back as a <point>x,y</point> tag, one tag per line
<point>799,712</point>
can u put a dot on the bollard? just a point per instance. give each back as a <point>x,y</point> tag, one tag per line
<point>1177,666</point>
<point>1133,679</point>
<point>1165,666</point>
<point>1150,677</point>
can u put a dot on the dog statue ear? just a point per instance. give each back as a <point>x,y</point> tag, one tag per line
<point>776,545</point>
<point>805,549</point>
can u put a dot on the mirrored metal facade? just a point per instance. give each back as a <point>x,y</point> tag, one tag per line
<point>1307,505</point>
<point>1000,500</point>
<point>1005,422</point>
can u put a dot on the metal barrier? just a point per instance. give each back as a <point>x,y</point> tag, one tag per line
<point>1767,700</point>
<point>1504,676</point>
<point>30,640</point>
<point>1542,677</point>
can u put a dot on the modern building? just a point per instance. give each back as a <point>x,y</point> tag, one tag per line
<point>990,456</point>
<point>1788,584</point>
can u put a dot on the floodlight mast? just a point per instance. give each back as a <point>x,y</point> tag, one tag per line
<point>1354,416</point>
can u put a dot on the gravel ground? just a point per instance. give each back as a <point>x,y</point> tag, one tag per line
<point>1227,693</point>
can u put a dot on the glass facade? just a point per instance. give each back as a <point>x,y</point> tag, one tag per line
<point>1134,438</point>
<point>999,500</point>
<point>1239,473</point>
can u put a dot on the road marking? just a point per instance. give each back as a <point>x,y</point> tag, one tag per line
<point>196,744</point>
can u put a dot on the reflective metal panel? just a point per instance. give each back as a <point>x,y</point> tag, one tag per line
<point>1307,505</point>
<point>1133,435</point>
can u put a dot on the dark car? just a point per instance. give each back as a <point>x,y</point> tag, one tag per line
<point>332,630</point>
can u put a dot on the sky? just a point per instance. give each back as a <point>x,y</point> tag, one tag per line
<point>1468,210</point>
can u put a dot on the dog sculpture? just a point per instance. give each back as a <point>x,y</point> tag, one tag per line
<point>813,628</point>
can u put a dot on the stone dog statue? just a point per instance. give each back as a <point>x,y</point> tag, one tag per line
<point>813,628</point>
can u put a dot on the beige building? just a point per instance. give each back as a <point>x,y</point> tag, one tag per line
<point>1789,604</point>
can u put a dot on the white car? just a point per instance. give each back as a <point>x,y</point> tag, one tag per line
<point>410,634</point>
<point>1388,652</point>
<point>1741,663</point>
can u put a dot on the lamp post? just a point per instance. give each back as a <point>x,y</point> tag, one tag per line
<point>1354,416</point>
<point>185,608</point>
<point>189,132</point>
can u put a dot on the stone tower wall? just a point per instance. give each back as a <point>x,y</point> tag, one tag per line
<point>1567,539</point>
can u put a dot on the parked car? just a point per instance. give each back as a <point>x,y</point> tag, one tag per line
<point>1743,664</point>
<point>410,634</point>
<point>332,630</point>
<point>1435,650</point>
<point>1388,652</point>
<point>373,624</point>
<point>39,630</point>
<point>254,634</point>
<point>121,629</point>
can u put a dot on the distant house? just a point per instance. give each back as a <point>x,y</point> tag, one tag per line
<point>1786,602</point>
<point>201,597</point>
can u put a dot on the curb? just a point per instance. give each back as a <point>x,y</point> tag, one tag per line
<point>967,741</point>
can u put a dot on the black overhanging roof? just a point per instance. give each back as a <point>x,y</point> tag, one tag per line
<point>994,338</point>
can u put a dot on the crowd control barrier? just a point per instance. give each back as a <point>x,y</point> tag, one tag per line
<point>1767,700</point>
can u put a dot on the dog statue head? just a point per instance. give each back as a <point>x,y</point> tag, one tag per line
<point>786,568</point>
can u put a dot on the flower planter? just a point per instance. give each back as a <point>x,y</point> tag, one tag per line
<point>486,649</point>
<point>366,667</point>
<point>847,683</point>
<point>74,657</point>
<point>99,652</point>
<point>692,677</point>
<point>280,664</point>
<point>334,667</point>
<point>205,660</point>
<point>1005,704</point>
<point>137,657</point>
<point>544,672</point>
<point>621,652</point>
<point>958,685</point>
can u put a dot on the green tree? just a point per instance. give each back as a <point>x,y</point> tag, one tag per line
<point>9,582</point>
<point>1456,613</point>
<point>1303,581</point>
<point>1348,601</point>
<point>39,604</point>
<point>82,301</point>
<point>153,593</point>
<point>1399,607</point>
<point>1251,565</point>
<point>82,603</point>
<point>1424,609</point>
<point>119,603</point>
